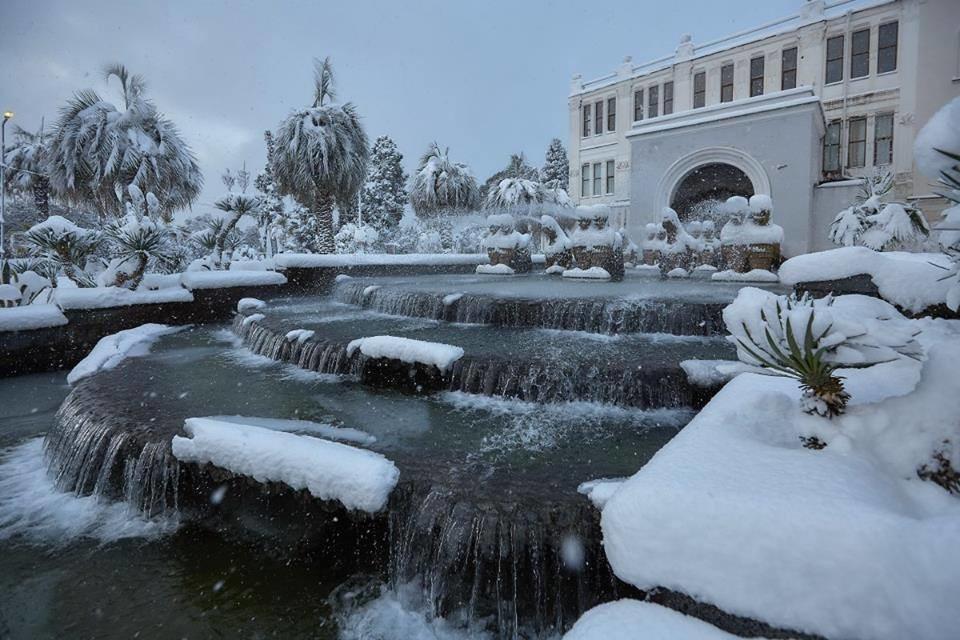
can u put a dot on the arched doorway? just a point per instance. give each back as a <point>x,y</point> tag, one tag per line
<point>700,194</point>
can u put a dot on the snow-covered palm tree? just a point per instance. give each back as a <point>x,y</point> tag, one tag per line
<point>321,154</point>
<point>26,167</point>
<point>235,205</point>
<point>99,150</point>
<point>441,185</point>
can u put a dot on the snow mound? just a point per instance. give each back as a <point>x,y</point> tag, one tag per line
<point>600,490</point>
<point>593,273</point>
<point>554,269</point>
<point>106,297</point>
<point>299,335</point>
<point>842,542</point>
<point>35,316</point>
<point>309,427</point>
<point>912,281</point>
<point>253,317</point>
<point>451,298</point>
<point>679,272</point>
<point>357,478</point>
<point>249,304</point>
<point>712,373</point>
<point>754,275</point>
<point>407,350</point>
<point>113,349</point>
<point>635,620</point>
<point>226,279</point>
<point>495,269</point>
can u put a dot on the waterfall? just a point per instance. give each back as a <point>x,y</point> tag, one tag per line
<point>594,315</point>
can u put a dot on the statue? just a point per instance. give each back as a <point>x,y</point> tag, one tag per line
<point>557,248</point>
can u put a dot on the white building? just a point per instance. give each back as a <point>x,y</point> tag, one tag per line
<point>794,108</point>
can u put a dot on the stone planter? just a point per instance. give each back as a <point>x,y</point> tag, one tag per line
<point>562,258</point>
<point>650,256</point>
<point>582,256</point>
<point>735,257</point>
<point>764,256</point>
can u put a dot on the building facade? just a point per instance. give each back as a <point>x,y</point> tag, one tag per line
<point>799,108</point>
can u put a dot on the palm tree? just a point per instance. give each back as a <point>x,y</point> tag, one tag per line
<point>235,205</point>
<point>26,170</point>
<point>321,155</point>
<point>98,151</point>
<point>440,185</point>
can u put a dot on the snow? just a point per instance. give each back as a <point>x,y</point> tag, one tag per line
<point>554,269</point>
<point>35,316</point>
<point>309,427</point>
<point>407,350</point>
<point>249,304</point>
<point>299,335</point>
<point>451,298</point>
<point>942,131</point>
<point>253,317</point>
<point>495,269</point>
<point>106,297</point>
<point>500,219</point>
<point>223,279</point>
<point>749,232</point>
<point>713,373</point>
<point>113,349</point>
<point>154,281</point>
<point>842,542</point>
<point>600,490</point>
<point>357,478</point>
<point>593,273</point>
<point>370,289</point>
<point>342,277</point>
<point>252,265</point>
<point>510,240</point>
<point>754,275</point>
<point>636,620</point>
<point>9,293</point>
<point>760,202</point>
<point>679,272</point>
<point>315,260</point>
<point>58,225</point>
<point>909,280</point>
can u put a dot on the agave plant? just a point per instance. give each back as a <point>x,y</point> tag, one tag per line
<point>441,185</point>
<point>134,245</point>
<point>321,154</point>
<point>809,340</point>
<point>99,149</point>
<point>235,205</point>
<point>66,245</point>
<point>875,223</point>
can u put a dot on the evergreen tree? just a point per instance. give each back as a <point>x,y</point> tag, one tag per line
<point>518,167</point>
<point>556,169</point>
<point>271,212</point>
<point>384,194</point>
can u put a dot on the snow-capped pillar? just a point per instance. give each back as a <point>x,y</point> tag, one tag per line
<point>576,87</point>
<point>683,75</point>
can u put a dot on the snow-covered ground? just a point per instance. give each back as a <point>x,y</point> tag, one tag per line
<point>635,620</point>
<point>105,297</point>
<point>406,350</point>
<point>34,316</point>
<point>846,541</point>
<point>912,281</point>
<point>357,478</point>
<point>222,279</point>
<point>113,349</point>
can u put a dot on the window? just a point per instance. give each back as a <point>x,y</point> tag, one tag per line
<point>699,89</point>
<point>611,114</point>
<point>857,144</point>
<point>831,148</point>
<point>611,172</point>
<point>726,83</point>
<point>597,178</point>
<point>638,105</point>
<point>598,117</point>
<point>887,51</point>
<point>883,139</point>
<point>586,120</point>
<point>667,98</point>
<point>756,76</point>
<point>653,102</point>
<point>585,181</point>
<point>860,54</point>
<point>834,59</point>
<point>788,69</point>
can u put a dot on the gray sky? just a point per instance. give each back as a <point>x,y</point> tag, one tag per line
<point>486,78</point>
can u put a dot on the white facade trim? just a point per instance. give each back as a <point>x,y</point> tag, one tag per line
<point>676,172</point>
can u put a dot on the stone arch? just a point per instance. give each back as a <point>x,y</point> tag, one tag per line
<point>677,172</point>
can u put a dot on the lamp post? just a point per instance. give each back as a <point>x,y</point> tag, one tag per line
<point>3,180</point>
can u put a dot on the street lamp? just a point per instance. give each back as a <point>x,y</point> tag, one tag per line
<point>3,180</point>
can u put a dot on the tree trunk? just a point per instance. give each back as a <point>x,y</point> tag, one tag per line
<point>41,197</point>
<point>323,209</point>
<point>221,239</point>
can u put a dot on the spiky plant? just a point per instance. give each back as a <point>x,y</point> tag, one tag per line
<point>235,205</point>
<point>321,154</point>
<point>875,223</point>
<point>66,245</point>
<point>26,167</point>
<point>809,340</point>
<point>98,150</point>
<point>134,245</point>
<point>441,185</point>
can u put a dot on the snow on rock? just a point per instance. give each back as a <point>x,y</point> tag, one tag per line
<point>357,478</point>
<point>342,277</point>
<point>713,373</point>
<point>600,490</point>
<point>842,542</point>
<point>35,316</point>
<point>320,429</point>
<point>912,281</point>
<point>9,293</point>
<point>299,335</point>
<point>249,304</point>
<point>754,275</point>
<point>253,317</point>
<point>554,269</point>
<point>407,350</point>
<point>370,289</point>
<point>679,272</point>
<point>451,298</point>
<point>224,279</point>
<point>106,297</point>
<point>748,232</point>
<point>495,269</point>
<point>252,265</point>
<point>636,620</point>
<point>593,273</point>
<point>113,349</point>
<point>155,281</point>
<point>314,260</point>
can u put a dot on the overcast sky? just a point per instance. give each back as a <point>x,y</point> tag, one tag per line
<point>486,78</point>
